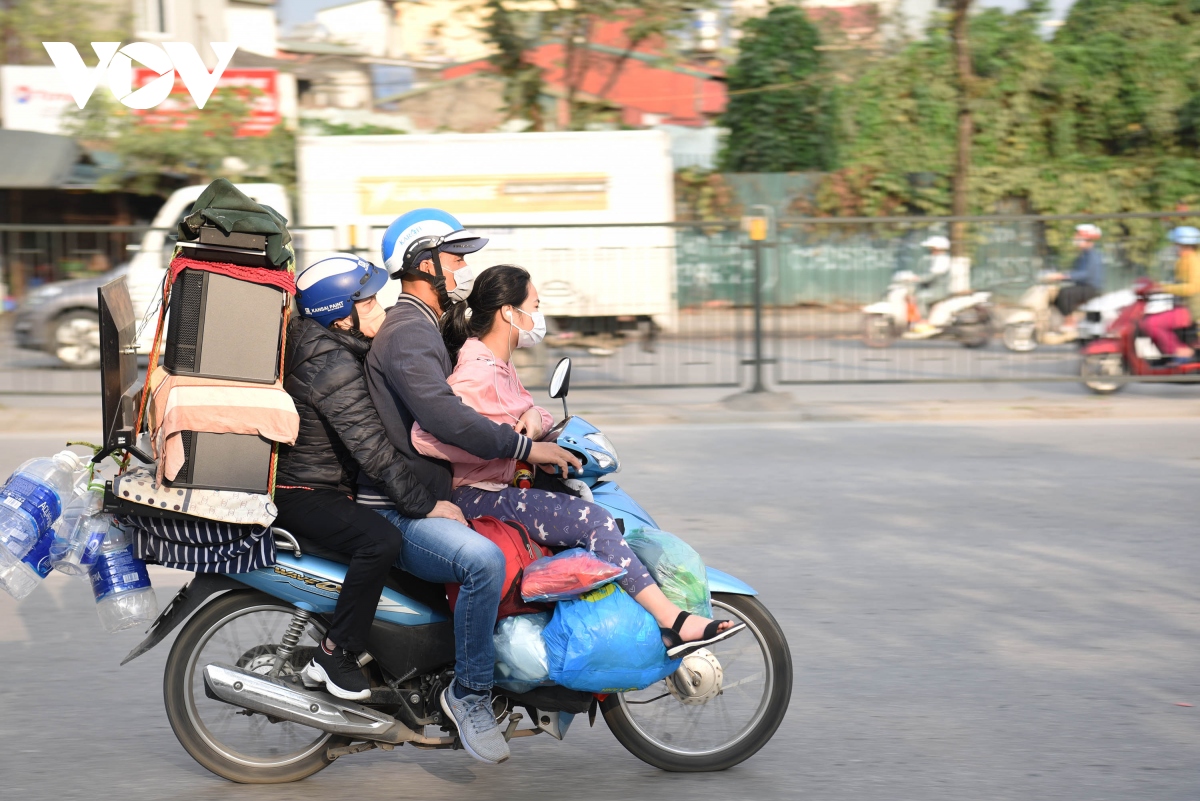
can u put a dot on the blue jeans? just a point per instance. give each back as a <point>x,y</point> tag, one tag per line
<point>443,551</point>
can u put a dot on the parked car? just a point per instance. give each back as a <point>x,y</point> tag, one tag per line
<point>61,319</point>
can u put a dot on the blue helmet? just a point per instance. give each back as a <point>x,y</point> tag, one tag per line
<point>327,290</point>
<point>417,233</point>
<point>1185,235</point>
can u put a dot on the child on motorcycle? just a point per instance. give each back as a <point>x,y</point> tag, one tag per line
<point>1161,327</point>
<point>340,435</point>
<point>500,315</point>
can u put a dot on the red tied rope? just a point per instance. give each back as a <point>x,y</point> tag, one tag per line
<point>282,279</point>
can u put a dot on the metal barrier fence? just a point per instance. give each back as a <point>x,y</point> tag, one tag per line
<point>674,305</point>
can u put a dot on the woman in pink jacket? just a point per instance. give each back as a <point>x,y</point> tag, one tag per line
<point>500,315</point>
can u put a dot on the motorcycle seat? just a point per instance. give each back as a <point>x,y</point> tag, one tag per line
<point>431,594</point>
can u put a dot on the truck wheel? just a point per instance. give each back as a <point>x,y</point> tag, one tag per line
<point>76,339</point>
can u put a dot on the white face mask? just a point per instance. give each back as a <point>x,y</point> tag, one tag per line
<point>527,339</point>
<point>464,279</point>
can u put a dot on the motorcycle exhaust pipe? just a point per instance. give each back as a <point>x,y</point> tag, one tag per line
<point>279,699</point>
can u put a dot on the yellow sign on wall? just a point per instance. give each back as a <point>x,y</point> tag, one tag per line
<point>484,194</point>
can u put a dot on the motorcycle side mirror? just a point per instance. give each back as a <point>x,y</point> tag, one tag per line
<point>560,382</point>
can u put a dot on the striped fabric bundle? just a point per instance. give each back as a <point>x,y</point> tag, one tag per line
<point>202,546</point>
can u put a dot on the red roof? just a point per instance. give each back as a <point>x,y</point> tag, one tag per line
<point>645,83</point>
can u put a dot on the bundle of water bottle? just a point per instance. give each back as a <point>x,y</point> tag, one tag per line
<point>52,518</point>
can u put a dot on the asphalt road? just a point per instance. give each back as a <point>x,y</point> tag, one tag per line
<point>983,611</point>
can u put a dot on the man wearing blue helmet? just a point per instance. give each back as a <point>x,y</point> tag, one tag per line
<point>340,439</point>
<point>407,369</point>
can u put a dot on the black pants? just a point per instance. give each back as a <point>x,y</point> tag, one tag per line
<point>372,543</point>
<point>1071,298</point>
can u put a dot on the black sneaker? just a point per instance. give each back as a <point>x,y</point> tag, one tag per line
<point>339,672</point>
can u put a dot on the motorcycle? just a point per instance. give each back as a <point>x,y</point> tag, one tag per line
<point>965,318</point>
<point>1126,350</point>
<point>1038,322</point>
<point>237,704</point>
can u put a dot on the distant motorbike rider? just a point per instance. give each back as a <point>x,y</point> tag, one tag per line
<point>407,370</point>
<point>1161,327</point>
<point>1086,276</point>
<point>946,277</point>
<point>340,438</point>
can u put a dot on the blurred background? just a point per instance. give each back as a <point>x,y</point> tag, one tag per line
<point>860,132</point>
<point>805,258</point>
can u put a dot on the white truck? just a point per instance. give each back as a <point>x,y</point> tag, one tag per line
<point>582,211</point>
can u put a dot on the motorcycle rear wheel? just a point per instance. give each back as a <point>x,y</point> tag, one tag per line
<point>239,626</point>
<point>1021,337</point>
<point>648,722</point>
<point>878,331</point>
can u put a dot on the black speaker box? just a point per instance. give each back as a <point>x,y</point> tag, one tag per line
<point>224,328</point>
<point>237,462</point>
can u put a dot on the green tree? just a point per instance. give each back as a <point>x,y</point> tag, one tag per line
<point>155,158</point>
<point>25,24</point>
<point>781,108</point>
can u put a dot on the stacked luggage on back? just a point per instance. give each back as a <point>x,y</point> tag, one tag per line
<point>216,409</point>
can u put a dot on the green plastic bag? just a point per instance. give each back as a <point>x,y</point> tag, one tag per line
<point>675,567</point>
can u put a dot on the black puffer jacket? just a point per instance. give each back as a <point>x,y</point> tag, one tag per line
<point>340,431</point>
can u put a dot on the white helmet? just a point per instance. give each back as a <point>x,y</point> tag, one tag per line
<point>936,243</point>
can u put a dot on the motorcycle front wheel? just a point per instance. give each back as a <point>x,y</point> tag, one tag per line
<point>242,629</point>
<point>1098,369</point>
<point>725,707</point>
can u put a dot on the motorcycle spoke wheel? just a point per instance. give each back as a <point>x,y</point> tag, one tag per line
<point>244,630</point>
<point>662,727</point>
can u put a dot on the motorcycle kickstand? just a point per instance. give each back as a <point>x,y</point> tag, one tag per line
<point>513,720</point>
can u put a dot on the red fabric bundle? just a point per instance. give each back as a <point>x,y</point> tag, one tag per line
<point>277,278</point>
<point>567,575</point>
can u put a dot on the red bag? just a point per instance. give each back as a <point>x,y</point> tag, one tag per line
<point>567,576</point>
<point>519,551</point>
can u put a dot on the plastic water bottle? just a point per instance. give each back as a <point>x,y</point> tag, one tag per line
<point>121,584</point>
<point>25,575</point>
<point>77,543</point>
<point>30,504</point>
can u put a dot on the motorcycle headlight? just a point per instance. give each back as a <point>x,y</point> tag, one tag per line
<point>603,460</point>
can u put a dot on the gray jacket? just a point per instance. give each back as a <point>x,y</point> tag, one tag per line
<point>407,369</point>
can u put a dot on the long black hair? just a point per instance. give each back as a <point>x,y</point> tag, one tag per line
<point>494,288</point>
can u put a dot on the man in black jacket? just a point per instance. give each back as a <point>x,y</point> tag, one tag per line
<point>340,438</point>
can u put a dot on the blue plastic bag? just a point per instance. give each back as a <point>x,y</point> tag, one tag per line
<point>521,652</point>
<point>604,642</point>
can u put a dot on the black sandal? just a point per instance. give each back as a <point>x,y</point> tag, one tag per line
<point>677,648</point>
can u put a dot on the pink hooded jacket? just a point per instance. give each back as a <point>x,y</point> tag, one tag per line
<point>491,387</point>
